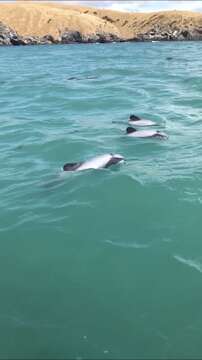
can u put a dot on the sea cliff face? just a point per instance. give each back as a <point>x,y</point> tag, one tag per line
<point>27,23</point>
<point>8,36</point>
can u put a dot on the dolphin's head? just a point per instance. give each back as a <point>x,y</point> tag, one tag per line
<point>115,159</point>
<point>71,166</point>
<point>118,157</point>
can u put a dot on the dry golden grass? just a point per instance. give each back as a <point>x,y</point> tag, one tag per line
<point>29,18</point>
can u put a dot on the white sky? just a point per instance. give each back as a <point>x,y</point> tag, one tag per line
<point>141,5</point>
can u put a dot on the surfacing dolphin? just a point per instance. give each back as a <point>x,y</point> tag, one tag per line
<point>131,132</point>
<point>98,162</point>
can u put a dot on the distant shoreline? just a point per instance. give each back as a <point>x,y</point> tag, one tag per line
<point>43,43</point>
<point>9,37</point>
<point>29,23</point>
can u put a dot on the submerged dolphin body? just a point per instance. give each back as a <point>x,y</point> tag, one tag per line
<point>131,132</point>
<point>137,121</point>
<point>98,162</point>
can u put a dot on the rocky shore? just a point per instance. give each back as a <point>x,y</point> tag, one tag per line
<point>158,34</point>
<point>10,37</point>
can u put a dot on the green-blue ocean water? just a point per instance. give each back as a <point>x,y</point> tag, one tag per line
<point>102,264</point>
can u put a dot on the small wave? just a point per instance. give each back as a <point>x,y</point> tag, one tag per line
<point>127,245</point>
<point>17,321</point>
<point>192,263</point>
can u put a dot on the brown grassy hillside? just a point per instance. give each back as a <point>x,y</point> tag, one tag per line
<point>38,19</point>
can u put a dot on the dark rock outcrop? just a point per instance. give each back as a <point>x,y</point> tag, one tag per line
<point>6,35</point>
<point>102,38</point>
<point>107,18</point>
<point>10,37</point>
<point>17,40</point>
<point>71,37</point>
<point>168,33</point>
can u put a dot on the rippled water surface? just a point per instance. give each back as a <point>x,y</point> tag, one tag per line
<point>100,264</point>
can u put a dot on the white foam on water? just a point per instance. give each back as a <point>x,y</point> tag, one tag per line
<point>191,263</point>
<point>127,245</point>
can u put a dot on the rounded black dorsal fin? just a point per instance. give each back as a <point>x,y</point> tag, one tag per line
<point>134,118</point>
<point>130,130</point>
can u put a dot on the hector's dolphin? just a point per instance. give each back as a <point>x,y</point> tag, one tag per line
<point>98,162</point>
<point>130,131</point>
